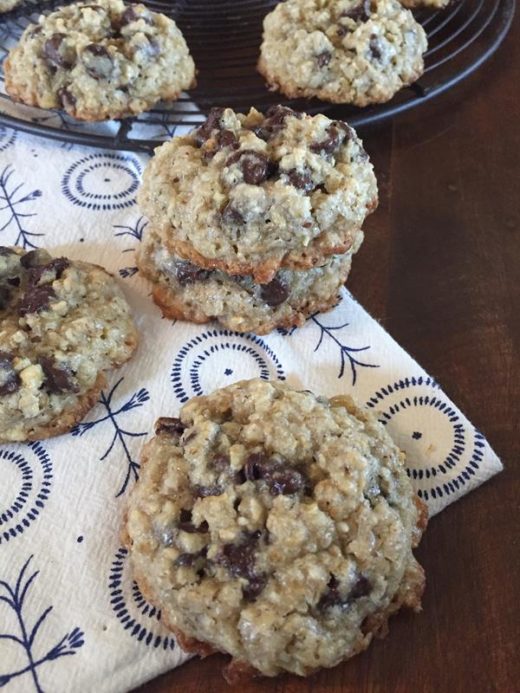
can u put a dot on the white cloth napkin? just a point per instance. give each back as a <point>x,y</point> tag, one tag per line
<point>71,618</point>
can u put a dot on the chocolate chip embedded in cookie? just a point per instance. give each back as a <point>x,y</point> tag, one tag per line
<point>344,51</point>
<point>184,291</point>
<point>63,324</point>
<point>99,60</point>
<point>300,546</point>
<point>249,194</point>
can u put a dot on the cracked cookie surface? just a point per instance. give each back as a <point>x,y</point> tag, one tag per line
<point>275,526</point>
<point>249,194</point>
<point>344,51</point>
<point>99,60</point>
<point>186,292</point>
<point>62,325</point>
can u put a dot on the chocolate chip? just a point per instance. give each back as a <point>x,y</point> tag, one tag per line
<point>329,144</point>
<point>212,122</point>
<point>274,293</point>
<point>300,179</point>
<point>97,61</point>
<point>231,215</point>
<point>129,16</point>
<point>323,58</point>
<point>239,559</point>
<point>280,478</point>
<point>254,165</point>
<point>225,138</point>
<point>341,31</point>
<point>187,273</point>
<point>359,13</point>
<point>34,258</point>
<point>35,298</point>
<point>54,269</point>
<point>67,98</point>
<point>362,587</point>
<point>375,47</point>
<point>52,53</point>
<point>221,463</point>
<point>333,597</point>
<point>169,425</point>
<point>254,587</point>
<point>5,295</point>
<point>205,491</point>
<point>336,133</point>
<point>57,378</point>
<point>9,378</point>
<point>189,559</point>
<point>186,525</point>
<point>5,251</point>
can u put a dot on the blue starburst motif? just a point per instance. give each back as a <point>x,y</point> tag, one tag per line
<point>135,232</point>
<point>120,435</point>
<point>346,353</point>
<point>13,209</point>
<point>14,597</point>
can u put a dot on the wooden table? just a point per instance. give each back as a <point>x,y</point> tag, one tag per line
<point>440,268</point>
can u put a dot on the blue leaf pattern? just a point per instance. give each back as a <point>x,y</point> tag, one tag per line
<point>120,434</point>
<point>12,199</point>
<point>26,638</point>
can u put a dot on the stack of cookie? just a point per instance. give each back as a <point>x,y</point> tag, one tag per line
<point>254,218</point>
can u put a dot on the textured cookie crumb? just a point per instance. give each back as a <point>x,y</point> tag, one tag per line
<point>99,60</point>
<point>186,292</point>
<point>249,194</point>
<point>345,51</point>
<point>275,526</point>
<point>63,324</point>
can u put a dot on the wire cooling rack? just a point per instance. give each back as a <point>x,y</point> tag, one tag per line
<point>224,38</point>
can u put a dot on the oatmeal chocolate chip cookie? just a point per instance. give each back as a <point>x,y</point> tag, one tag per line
<point>275,526</point>
<point>99,60</point>
<point>249,194</point>
<point>186,292</point>
<point>344,51</point>
<point>62,325</point>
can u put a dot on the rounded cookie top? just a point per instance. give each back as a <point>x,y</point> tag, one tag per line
<point>344,51</point>
<point>250,193</point>
<point>62,324</point>
<point>99,60</point>
<point>275,526</point>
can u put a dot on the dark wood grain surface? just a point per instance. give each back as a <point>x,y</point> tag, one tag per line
<point>440,268</point>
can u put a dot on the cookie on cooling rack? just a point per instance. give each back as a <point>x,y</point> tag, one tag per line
<point>249,194</point>
<point>99,60</point>
<point>6,5</point>
<point>345,51</point>
<point>62,325</point>
<point>275,526</point>
<point>186,292</point>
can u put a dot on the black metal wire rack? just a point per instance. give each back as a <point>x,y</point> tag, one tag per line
<point>224,37</point>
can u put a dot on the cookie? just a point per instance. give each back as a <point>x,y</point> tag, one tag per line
<point>186,292</point>
<point>99,60</point>
<point>7,5</point>
<point>344,51</point>
<point>275,526</point>
<point>63,324</point>
<point>436,4</point>
<point>248,194</point>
